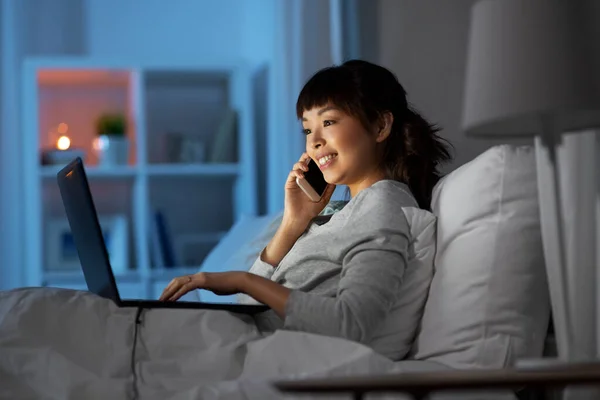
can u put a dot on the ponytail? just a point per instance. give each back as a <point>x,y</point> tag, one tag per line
<point>413,153</point>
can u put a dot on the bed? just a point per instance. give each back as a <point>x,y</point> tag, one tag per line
<point>488,307</point>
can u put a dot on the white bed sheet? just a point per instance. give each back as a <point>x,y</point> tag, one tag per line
<point>63,344</point>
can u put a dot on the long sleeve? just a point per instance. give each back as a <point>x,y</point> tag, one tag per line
<point>373,265</point>
<point>260,268</point>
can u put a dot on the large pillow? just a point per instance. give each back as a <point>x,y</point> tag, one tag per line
<point>488,303</point>
<point>238,249</point>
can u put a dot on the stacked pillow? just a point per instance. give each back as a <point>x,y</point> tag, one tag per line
<point>238,249</point>
<point>488,303</point>
<point>247,237</point>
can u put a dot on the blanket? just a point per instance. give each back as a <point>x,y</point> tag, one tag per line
<point>67,344</point>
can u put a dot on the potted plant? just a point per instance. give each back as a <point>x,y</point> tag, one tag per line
<point>112,144</point>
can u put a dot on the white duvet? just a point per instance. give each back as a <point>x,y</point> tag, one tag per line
<point>63,344</point>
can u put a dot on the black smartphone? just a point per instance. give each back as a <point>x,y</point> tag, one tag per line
<point>313,184</point>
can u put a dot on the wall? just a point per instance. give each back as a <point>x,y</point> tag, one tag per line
<point>182,28</point>
<point>425,43</point>
<point>58,30</point>
<point>258,47</point>
<point>194,29</point>
<point>3,173</point>
<point>297,44</point>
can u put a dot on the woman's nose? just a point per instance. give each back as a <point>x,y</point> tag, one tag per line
<point>316,142</point>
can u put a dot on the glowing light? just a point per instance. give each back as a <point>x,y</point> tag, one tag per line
<point>62,128</point>
<point>63,143</point>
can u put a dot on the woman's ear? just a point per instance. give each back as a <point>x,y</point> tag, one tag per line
<point>385,126</point>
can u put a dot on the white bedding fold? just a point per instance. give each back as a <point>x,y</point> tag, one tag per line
<point>63,344</point>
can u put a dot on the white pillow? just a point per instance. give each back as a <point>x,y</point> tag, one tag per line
<point>408,310</point>
<point>234,251</point>
<point>488,303</point>
<point>238,249</point>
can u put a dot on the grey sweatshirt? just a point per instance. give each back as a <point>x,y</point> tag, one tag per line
<point>346,275</point>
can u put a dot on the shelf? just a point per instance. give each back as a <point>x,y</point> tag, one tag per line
<point>157,170</point>
<point>50,171</point>
<point>176,112</point>
<point>205,237</point>
<point>84,77</point>
<point>77,276</point>
<point>206,170</point>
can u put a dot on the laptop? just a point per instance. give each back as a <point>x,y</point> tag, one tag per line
<point>93,255</point>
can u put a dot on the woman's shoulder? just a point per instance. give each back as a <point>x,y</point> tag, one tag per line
<point>387,193</point>
<point>382,203</point>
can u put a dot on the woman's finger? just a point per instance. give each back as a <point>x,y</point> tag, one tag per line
<point>171,284</point>
<point>303,158</point>
<point>295,174</point>
<point>300,166</point>
<point>168,292</point>
<point>172,287</point>
<point>182,290</point>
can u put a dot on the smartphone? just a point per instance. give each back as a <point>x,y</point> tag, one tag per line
<point>313,184</point>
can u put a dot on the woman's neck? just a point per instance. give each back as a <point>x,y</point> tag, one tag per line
<point>366,182</point>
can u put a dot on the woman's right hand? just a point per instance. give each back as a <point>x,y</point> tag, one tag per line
<point>298,211</point>
<point>298,208</point>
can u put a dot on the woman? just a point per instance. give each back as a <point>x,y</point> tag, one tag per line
<point>344,278</point>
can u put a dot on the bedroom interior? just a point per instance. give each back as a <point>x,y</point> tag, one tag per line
<point>185,115</point>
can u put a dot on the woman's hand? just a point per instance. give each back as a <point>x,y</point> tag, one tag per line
<point>261,289</point>
<point>298,211</point>
<point>220,283</point>
<point>298,208</point>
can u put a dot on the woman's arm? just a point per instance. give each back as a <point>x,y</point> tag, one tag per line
<point>375,257</point>
<point>265,264</point>
<point>299,211</point>
<point>282,242</point>
<point>262,289</point>
<point>266,292</point>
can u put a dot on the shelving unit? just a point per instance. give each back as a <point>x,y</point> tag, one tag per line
<point>199,200</point>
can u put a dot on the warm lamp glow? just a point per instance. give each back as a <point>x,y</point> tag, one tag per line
<point>63,143</point>
<point>62,128</point>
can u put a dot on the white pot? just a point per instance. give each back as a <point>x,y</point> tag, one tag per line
<point>112,150</point>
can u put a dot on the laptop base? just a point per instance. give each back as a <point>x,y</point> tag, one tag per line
<point>192,305</point>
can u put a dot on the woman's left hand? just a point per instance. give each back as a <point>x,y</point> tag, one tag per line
<point>220,283</point>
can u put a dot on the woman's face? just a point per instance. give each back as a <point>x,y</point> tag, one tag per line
<point>344,149</point>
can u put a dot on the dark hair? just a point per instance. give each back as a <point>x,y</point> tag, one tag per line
<point>413,150</point>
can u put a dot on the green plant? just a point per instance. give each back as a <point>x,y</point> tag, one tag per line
<point>111,124</point>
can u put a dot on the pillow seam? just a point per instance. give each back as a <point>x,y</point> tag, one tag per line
<point>485,327</point>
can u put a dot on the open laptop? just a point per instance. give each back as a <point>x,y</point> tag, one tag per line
<point>93,255</point>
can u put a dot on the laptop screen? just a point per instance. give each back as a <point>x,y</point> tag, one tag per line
<point>86,230</point>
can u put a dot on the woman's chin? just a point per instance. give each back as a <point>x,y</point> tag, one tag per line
<point>333,179</point>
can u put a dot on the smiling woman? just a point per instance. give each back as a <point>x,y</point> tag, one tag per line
<point>357,276</point>
<point>344,148</point>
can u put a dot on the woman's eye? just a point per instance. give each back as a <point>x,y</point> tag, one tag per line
<point>327,122</point>
<point>306,131</point>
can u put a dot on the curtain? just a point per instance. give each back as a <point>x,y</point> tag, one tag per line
<point>303,46</point>
<point>10,166</point>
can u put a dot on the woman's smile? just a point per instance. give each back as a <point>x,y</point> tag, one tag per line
<point>326,160</point>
